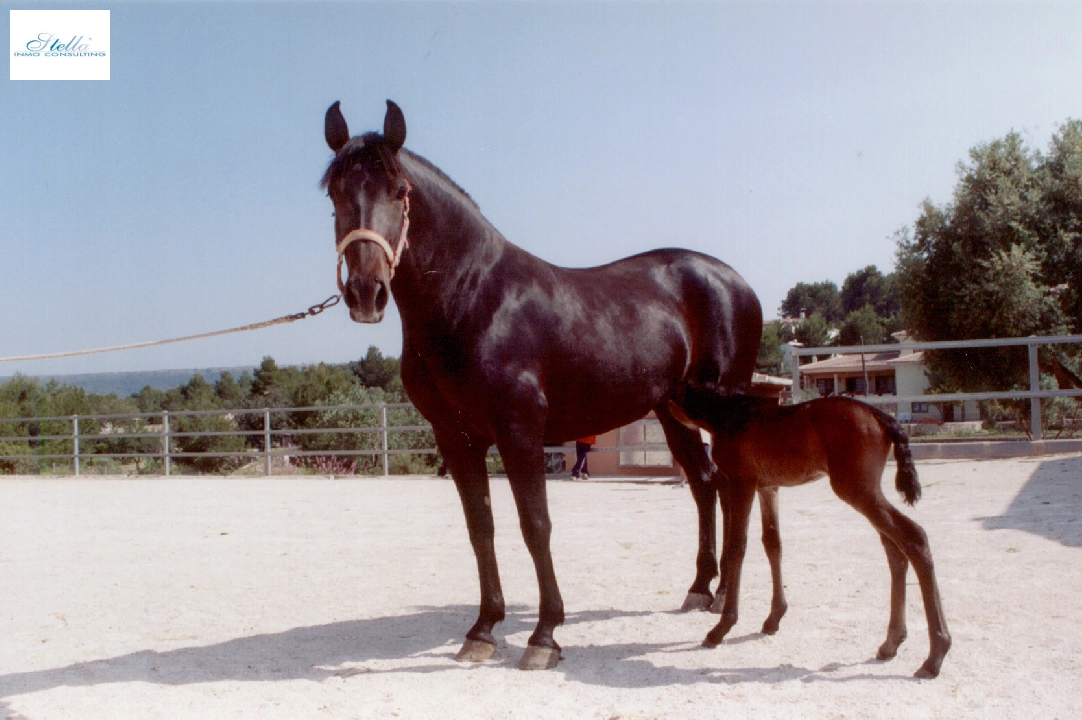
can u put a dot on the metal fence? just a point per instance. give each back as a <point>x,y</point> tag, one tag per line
<point>270,442</point>
<point>1034,394</point>
<point>268,446</point>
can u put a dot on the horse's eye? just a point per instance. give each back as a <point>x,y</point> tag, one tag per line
<point>401,192</point>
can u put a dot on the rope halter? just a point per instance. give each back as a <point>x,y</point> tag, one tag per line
<point>394,254</point>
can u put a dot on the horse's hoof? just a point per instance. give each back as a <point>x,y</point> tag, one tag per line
<point>476,651</point>
<point>770,627</point>
<point>718,604</point>
<point>886,652</point>
<point>927,671</point>
<point>696,601</point>
<point>539,658</point>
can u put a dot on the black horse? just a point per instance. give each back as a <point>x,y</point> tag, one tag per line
<point>500,347</point>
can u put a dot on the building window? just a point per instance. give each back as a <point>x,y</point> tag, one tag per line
<point>920,407</point>
<point>854,385</point>
<point>825,386</point>
<point>884,385</point>
<point>642,444</point>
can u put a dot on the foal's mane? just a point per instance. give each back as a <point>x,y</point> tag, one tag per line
<point>742,410</point>
<point>357,147</point>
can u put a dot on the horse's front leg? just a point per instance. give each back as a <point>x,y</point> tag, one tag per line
<point>739,494</point>
<point>467,467</point>
<point>524,460</point>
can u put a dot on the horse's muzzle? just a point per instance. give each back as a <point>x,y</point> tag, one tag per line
<point>367,299</point>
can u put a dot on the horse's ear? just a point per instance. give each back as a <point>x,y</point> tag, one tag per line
<point>394,127</point>
<point>335,129</point>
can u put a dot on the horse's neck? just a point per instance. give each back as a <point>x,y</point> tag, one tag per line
<point>452,248</point>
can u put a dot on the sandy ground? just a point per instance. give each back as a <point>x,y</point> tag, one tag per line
<point>324,598</point>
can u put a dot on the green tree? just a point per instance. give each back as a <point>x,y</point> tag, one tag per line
<point>989,263</point>
<point>870,287</point>
<point>863,327</point>
<point>771,358</point>
<point>375,370</point>
<point>813,331</point>
<point>807,299</point>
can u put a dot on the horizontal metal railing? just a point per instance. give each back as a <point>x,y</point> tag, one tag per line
<point>161,426</point>
<point>1034,394</point>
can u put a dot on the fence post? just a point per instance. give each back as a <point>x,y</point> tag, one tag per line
<point>383,423</point>
<point>75,442</point>
<point>165,440</point>
<point>267,440</point>
<point>1034,386</point>
<point>794,363</point>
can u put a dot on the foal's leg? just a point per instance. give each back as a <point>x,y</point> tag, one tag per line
<point>740,495</point>
<point>687,448</point>
<point>911,539</point>
<point>896,630</point>
<point>525,464</point>
<point>768,508</point>
<point>467,467</point>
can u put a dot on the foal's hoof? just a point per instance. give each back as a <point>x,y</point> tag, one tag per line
<point>539,658</point>
<point>928,670</point>
<point>476,651</point>
<point>696,601</point>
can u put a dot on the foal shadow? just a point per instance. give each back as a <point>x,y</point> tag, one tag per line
<point>1049,504</point>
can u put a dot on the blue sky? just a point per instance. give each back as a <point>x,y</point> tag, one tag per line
<point>789,139</point>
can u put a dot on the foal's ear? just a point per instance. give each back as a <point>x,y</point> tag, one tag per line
<point>335,129</point>
<point>394,127</point>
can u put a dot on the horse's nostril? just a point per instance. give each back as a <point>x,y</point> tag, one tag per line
<point>382,297</point>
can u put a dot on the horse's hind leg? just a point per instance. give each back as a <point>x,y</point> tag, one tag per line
<point>911,539</point>
<point>687,448</point>
<point>768,508</point>
<point>896,630</point>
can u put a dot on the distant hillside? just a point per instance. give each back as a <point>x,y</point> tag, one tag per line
<point>129,383</point>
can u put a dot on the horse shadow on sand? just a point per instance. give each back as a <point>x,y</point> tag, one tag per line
<point>431,636</point>
<point>1049,504</point>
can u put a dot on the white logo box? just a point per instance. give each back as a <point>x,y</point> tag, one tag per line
<point>59,45</point>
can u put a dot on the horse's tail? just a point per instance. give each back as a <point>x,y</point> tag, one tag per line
<point>905,480</point>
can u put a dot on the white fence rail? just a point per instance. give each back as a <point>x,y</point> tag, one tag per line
<point>1034,394</point>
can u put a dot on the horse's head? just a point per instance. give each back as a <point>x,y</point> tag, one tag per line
<point>371,209</point>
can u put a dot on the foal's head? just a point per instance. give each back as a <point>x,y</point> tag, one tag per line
<point>371,208</point>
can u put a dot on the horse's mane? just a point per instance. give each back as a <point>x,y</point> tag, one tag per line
<point>357,147</point>
<point>439,174</point>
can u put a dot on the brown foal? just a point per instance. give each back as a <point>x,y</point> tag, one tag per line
<point>760,446</point>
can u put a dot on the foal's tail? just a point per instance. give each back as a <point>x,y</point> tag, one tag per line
<point>905,480</point>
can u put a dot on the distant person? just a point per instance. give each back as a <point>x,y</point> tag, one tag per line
<point>582,448</point>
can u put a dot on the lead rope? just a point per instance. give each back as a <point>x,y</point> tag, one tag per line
<point>314,310</point>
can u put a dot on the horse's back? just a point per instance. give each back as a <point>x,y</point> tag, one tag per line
<point>720,312</point>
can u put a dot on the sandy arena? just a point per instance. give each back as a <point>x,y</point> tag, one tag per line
<point>324,598</point>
